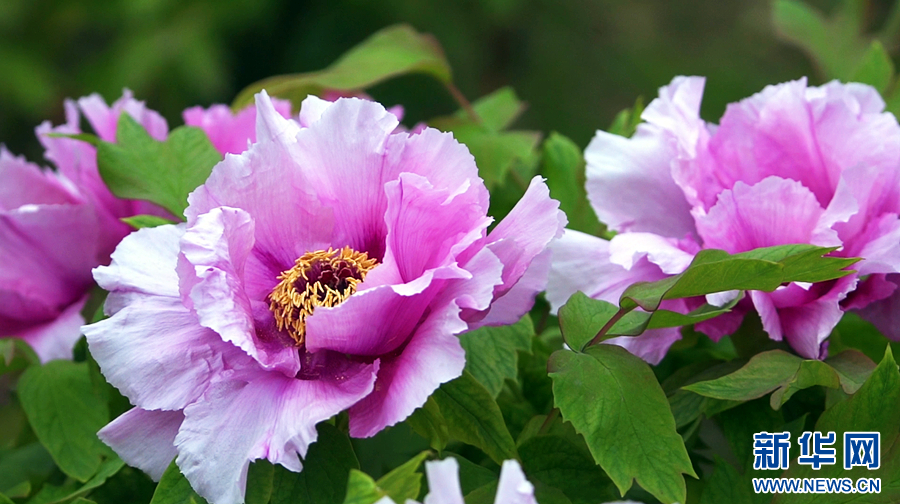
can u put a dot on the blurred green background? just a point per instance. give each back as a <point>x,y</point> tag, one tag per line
<point>576,62</point>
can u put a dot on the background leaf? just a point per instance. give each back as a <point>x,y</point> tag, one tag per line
<point>492,353</point>
<point>174,488</point>
<point>326,469</point>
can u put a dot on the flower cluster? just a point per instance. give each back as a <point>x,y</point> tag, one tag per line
<point>328,267</point>
<point>791,164</point>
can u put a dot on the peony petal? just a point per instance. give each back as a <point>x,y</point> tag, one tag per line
<point>885,314</point>
<point>230,132</point>
<point>443,482</point>
<point>519,299</point>
<point>262,415</point>
<point>104,119</point>
<point>629,180</point>
<point>144,439</point>
<point>627,248</point>
<point>25,183</point>
<point>155,352</point>
<point>513,487</point>
<point>433,356</point>
<point>775,211</point>
<point>214,252</point>
<point>57,338</point>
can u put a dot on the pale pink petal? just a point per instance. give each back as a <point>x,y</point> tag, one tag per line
<point>266,415</point>
<point>513,487</point>
<point>57,338</point>
<point>629,180</point>
<point>518,300</point>
<point>155,352</point>
<point>104,119</point>
<point>627,248</point>
<point>443,482</point>
<point>144,439</point>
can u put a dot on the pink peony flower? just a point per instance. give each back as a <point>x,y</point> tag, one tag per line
<point>791,164</point>
<point>77,160</point>
<point>48,241</point>
<point>230,132</point>
<point>330,266</point>
<point>444,488</point>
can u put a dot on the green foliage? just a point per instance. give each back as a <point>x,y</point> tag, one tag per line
<point>326,468</point>
<point>626,121</point>
<point>562,462</point>
<point>563,165</point>
<point>392,51</point>
<point>429,423</point>
<point>492,352</point>
<point>15,355</point>
<point>66,413</point>
<point>174,488</point>
<point>139,167</point>
<point>874,407</point>
<point>613,399</point>
<point>472,416</point>
<point>51,494</point>
<point>401,484</point>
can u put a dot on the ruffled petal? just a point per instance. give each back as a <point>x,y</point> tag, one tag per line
<point>629,180</point>
<point>25,183</point>
<point>885,314</point>
<point>627,248</point>
<point>775,211</point>
<point>518,300</point>
<point>105,119</point>
<point>214,252</point>
<point>513,487</point>
<point>144,439</point>
<point>264,415</point>
<point>155,352</point>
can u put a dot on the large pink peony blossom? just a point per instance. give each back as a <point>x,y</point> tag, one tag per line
<point>48,241</point>
<point>791,164</point>
<point>330,266</point>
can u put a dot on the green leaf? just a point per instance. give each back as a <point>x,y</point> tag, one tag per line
<point>66,414</point>
<point>497,110</point>
<point>613,399</point>
<point>473,417</point>
<point>260,481</point>
<point>174,488</point>
<point>853,368</point>
<point>84,137</point>
<point>496,152</point>
<point>26,465</point>
<point>876,68</point>
<point>555,461</point>
<point>326,469</point>
<point>874,407</point>
<point>626,121</point>
<point>16,355</point>
<point>492,353</point>
<point>404,482</point>
<point>140,167</point>
<point>772,371</point>
<point>145,221</point>
<point>50,494</point>
<point>761,269</point>
<point>727,485</point>
<point>581,318</point>
<point>5,500</point>
<point>429,423</point>
<point>563,165</point>
<point>362,489</point>
<point>393,51</point>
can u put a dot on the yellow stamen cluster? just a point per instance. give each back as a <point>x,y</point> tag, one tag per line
<point>320,278</point>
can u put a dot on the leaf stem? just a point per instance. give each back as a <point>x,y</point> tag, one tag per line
<point>554,413</point>
<point>463,102</point>
<point>606,327</point>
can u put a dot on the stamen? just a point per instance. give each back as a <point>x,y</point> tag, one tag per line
<point>320,278</point>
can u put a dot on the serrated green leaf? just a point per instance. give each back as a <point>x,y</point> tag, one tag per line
<point>392,51</point>
<point>326,469</point>
<point>727,485</point>
<point>428,422</point>
<point>492,353</point>
<point>556,462</point>
<point>762,269</point>
<point>773,371</point>
<point>140,167</point>
<point>404,482</point>
<point>145,221</point>
<point>66,414</point>
<point>563,166</point>
<point>174,488</point>
<point>613,399</point>
<point>582,317</point>
<point>50,494</point>
<point>853,368</point>
<point>875,407</point>
<point>876,68</point>
<point>474,418</point>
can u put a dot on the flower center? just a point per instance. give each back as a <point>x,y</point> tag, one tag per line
<point>320,278</point>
